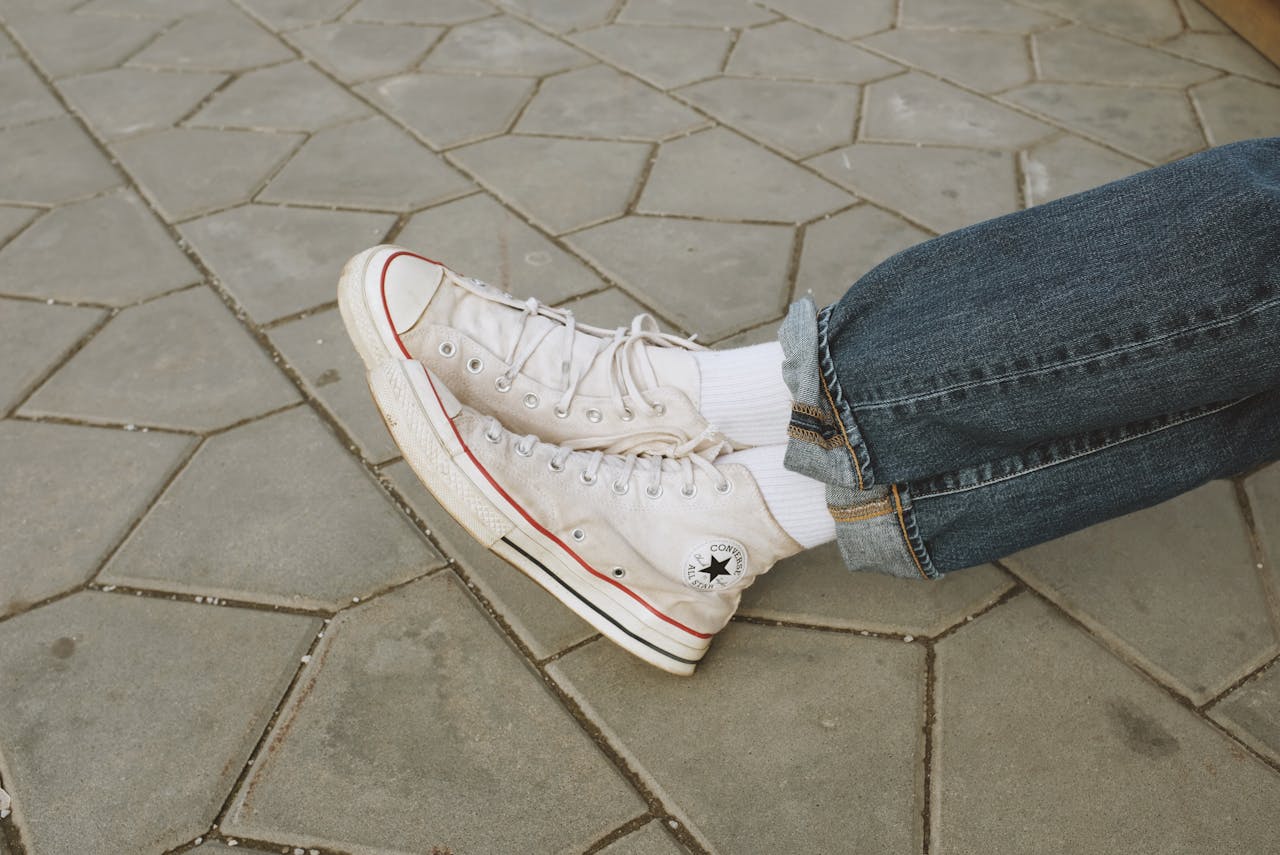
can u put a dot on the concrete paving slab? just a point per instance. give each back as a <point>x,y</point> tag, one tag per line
<point>919,109</point>
<point>23,96</point>
<point>839,249</point>
<point>833,750</point>
<point>610,309</point>
<point>998,16</point>
<point>451,109</point>
<point>845,19</point>
<point>165,10</point>
<point>51,162</point>
<point>1144,20</point>
<point>368,164</point>
<point>14,220</point>
<point>789,51</point>
<point>1079,54</point>
<point>801,119</point>
<point>1044,742</point>
<point>33,338</point>
<point>988,62</point>
<point>601,103</point>
<point>120,102</point>
<point>289,97</point>
<point>1263,489</point>
<point>478,237</point>
<point>69,495</point>
<point>1237,109</point>
<point>445,12</point>
<point>191,171</point>
<point>649,840</point>
<point>357,51</point>
<point>1174,586</point>
<point>225,40</point>
<point>412,706</point>
<point>289,14</point>
<point>105,250</point>
<point>181,362</point>
<point>709,13</point>
<point>1200,19</point>
<point>667,57</point>
<point>711,278</point>
<point>1225,51</point>
<point>311,529</point>
<point>74,44</point>
<point>1069,165</point>
<point>502,45</point>
<point>577,182</point>
<point>278,261</point>
<point>1252,713</point>
<point>560,16</point>
<point>168,697</point>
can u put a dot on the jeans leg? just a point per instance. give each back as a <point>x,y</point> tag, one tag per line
<point>1005,346</point>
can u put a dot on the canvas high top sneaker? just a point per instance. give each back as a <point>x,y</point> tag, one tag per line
<point>652,551</point>
<point>533,365</point>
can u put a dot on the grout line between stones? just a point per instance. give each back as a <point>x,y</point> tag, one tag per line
<point>1261,560</point>
<point>620,832</point>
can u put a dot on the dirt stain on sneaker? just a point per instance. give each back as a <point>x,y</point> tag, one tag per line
<point>1140,732</point>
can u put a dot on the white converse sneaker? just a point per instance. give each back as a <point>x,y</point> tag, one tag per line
<point>654,552</point>
<point>534,366</point>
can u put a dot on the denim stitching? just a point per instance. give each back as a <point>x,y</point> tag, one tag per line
<point>1118,441</point>
<point>914,545</point>
<point>839,410</point>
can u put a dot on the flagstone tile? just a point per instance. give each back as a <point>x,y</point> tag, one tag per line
<point>181,361</point>
<point>119,254</point>
<point>289,14</point>
<point>23,96</point>
<point>366,164</point>
<point>610,309</point>
<point>605,104</point>
<point>845,19</point>
<point>289,97</point>
<point>478,237</point>
<point>72,44</point>
<point>51,162</point>
<point>1071,165</point>
<point>1226,51</point>
<point>191,171</point>
<point>560,16</point>
<point>69,495</point>
<point>166,10</point>
<point>788,50</point>
<point>320,350</point>
<point>718,174</point>
<point>706,13</point>
<point>217,41</point>
<point>166,697</point>
<point>541,621</point>
<point>278,261</point>
<point>1021,692</point>
<point>1252,712</point>
<point>124,101</point>
<point>503,45</point>
<point>1263,489</point>
<point>988,62</point>
<point>1153,124</point>
<point>446,12</point>
<point>420,726</point>
<point>649,840</point>
<point>712,278</point>
<point>14,220</point>
<point>33,337</point>
<point>941,188</point>
<point>312,530</point>
<point>1078,54</point>
<point>841,727</point>
<point>667,57</point>
<point>1237,109</point>
<point>801,119</point>
<point>450,109</point>
<point>1143,20</point>
<point>358,51</point>
<point>1173,585</point>
<point>839,249</point>
<point>575,182</point>
<point>1000,16</point>
<point>1200,19</point>
<point>919,109</point>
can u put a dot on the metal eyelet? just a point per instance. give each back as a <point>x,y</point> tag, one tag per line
<point>523,450</point>
<point>578,534</point>
<point>587,479</point>
<point>725,487</point>
<point>689,490</point>
<point>495,438</point>
<point>531,400</point>
<point>628,414</point>
<point>653,491</point>
<point>474,365</point>
<point>620,489</point>
<point>554,466</point>
<point>660,409</point>
<point>617,572</point>
<point>562,412</point>
<point>447,350</point>
<point>594,416</point>
<point>503,384</point>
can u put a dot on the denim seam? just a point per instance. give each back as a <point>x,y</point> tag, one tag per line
<point>910,534</point>
<point>840,411</point>
<point>1120,441</point>
<point>1071,363</point>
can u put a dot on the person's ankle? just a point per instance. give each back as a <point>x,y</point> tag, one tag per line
<point>743,395</point>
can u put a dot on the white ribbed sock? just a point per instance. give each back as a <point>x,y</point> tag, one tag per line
<point>743,393</point>
<point>797,502</point>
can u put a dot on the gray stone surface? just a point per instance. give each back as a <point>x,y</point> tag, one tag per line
<point>355,51</point>
<point>224,40</point>
<point>664,56</point>
<point>111,693</point>
<point>1079,54</point>
<point>711,278</point>
<point>288,14</point>
<point>52,162</point>
<point>839,249</point>
<point>478,237</point>
<point>845,19</point>
<point>719,175</point>
<point>788,50</point>
<point>318,348</point>
<point>602,103</point>
<point>801,119</point>
<point>69,495</point>
<point>1173,585</point>
<point>1138,19</point>
<point>289,97</point>
<point>609,308</point>
<point>999,16</point>
<point>649,840</point>
<point>851,709</point>
<point>551,195</point>
<point>1225,51</point>
<point>1071,165</point>
<point>23,96</point>
<point>181,361</point>
<point>124,101</point>
<point>367,164</point>
<point>109,249</point>
<point>411,707</point>
<point>1263,489</point>
<point>988,62</point>
<point>1237,109</point>
<point>503,45</point>
<point>560,16</point>
<point>73,44</point>
<point>191,171</point>
<point>13,220</point>
<point>278,261</point>
<point>414,12</point>
<point>1253,713</point>
<point>1044,742</point>
<point>940,188</point>
<point>250,481</point>
<point>919,109</point>
<point>451,109</point>
<point>708,13</point>
<point>33,338</point>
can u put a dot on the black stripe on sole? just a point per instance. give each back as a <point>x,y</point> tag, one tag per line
<point>596,608</point>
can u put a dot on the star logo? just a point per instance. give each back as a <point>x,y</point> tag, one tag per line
<point>717,568</point>
<point>715,565</point>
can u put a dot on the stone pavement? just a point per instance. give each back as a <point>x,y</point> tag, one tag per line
<point>231,617</point>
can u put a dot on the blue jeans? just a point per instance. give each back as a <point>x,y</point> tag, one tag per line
<point>1034,374</point>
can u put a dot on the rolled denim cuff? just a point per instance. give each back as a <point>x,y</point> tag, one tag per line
<point>875,524</point>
